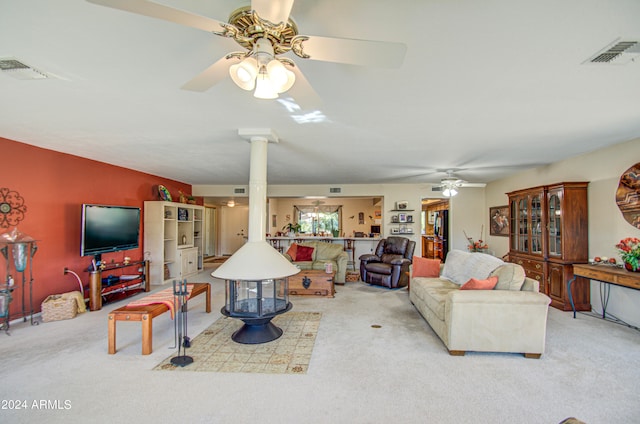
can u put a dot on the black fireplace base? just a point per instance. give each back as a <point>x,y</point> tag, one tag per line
<point>257,330</point>
<point>250,333</point>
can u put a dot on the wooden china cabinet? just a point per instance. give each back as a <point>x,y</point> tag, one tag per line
<point>549,233</point>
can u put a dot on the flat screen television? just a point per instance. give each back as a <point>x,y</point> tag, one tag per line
<point>108,228</point>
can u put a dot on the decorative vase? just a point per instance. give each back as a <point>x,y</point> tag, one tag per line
<point>629,267</point>
<point>20,256</point>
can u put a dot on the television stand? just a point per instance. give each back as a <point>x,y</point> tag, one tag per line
<point>116,285</point>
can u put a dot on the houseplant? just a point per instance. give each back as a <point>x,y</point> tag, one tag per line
<point>292,228</point>
<point>476,246</point>
<point>629,249</point>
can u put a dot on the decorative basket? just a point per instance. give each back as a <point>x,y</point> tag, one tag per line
<point>352,276</point>
<point>56,307</point>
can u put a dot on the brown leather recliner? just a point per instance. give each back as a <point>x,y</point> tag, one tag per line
<point>389,264</point>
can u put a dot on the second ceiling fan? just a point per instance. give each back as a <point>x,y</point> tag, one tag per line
<point>266,31</point>
<point>450,184</point>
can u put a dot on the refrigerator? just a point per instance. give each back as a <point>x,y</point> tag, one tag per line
<point>441,230</point>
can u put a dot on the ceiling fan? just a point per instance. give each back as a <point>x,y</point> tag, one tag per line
<point>266,31</point>
<point>450,184</point>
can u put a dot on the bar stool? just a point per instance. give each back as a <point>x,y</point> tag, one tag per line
<point>348,247</point>
<point>276,245</point>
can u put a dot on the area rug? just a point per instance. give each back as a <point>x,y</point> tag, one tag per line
<point>214,351</point>
<point>216,259</point>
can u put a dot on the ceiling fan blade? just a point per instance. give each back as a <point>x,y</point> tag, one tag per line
<point>303,93</point>
<point>465,184</point>
<point>155,10</point>
<point>211,76</point>
<point>275,11</point>
<point>382,54</point>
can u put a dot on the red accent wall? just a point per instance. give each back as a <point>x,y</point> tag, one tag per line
<point>54,186</point>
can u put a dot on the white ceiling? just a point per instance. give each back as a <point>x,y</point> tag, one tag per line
<point>486,88</point>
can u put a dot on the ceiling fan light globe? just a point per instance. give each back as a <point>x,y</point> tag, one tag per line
<point>264,88</point>
<point>244,73</point>
<point>281,78</point>
<point>291,79</point>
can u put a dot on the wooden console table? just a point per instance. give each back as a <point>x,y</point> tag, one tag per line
<point>605,274</point>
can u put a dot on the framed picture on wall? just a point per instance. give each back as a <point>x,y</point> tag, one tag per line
<point>402,217</point>
<point>499,221</point>
<point>403,204</point>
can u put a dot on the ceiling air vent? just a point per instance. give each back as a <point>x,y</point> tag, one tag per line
<point>620,52</point>
<point>19,70</point>
<point>239,190</point>
<point>335,190</point>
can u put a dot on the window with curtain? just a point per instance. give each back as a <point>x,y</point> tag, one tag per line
<point>319,219</point>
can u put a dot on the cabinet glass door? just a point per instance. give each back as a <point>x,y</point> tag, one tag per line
<point>536,224</point>
<point>513,225</point>
<point>523,227</point>
<point>555,224</point>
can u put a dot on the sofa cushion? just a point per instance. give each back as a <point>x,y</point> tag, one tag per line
<point>510,277</point>
<point>462,266</point>
<point>305,265</point>
<point>396,245</point>
<point>325,251</point>
<point>425,267</point>
<point>379,268</point>
<point>474,284</point>
<point>388,257</point>
<point>433,293</point>
<point>292,251</point>
<point>304,253</point>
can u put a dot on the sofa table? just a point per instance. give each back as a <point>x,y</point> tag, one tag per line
<point>605,274</point>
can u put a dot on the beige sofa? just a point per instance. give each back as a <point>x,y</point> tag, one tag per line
<point>324,252</point>
<point>510,318</point>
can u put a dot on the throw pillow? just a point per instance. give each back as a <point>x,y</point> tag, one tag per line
<point>461,266</point>
<point>424,267</point>
<point>510,277</point>
<point>304,253</point>
<point>292,251</point>
<point>474,284</point>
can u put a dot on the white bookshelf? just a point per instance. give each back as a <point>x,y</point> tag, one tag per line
<point>173,232</point>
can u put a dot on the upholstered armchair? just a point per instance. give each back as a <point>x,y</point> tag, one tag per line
<point>389,265</point>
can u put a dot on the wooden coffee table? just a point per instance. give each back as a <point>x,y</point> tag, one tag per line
<point>312,282</point>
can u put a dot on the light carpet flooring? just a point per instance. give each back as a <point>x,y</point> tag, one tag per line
<point>375,361</point>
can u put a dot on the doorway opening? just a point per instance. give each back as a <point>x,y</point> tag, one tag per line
<point>435,228</point>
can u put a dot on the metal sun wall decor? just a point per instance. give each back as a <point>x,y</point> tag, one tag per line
<point>12,208</point>
<point>628,195</point>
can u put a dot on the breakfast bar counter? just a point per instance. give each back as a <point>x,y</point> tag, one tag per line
<point>361,245</point>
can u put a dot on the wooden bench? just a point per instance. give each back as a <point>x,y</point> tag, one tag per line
<point>146,314</point>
